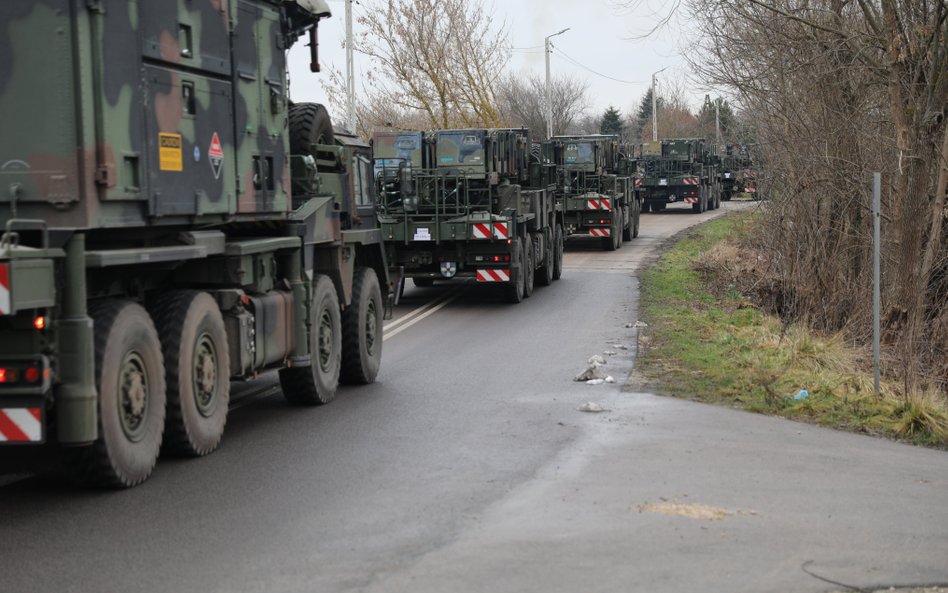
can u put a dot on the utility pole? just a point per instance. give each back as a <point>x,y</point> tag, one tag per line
<point>717,118</point>
<point>549,93</point>
<point>350,71</point>
<point>655,107</point>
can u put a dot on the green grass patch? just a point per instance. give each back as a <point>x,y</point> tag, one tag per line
<point>707,342</point>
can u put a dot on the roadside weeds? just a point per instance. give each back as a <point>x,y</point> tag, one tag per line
<point>706,341</point>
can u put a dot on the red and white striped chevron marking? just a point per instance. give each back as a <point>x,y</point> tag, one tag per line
<point>600,232</point>
<point>21,425</point>
<point>482,230</point>
<point>4,289</point>
<point>638,182</point>
<point>598,204</point>
<point>493,275</point>
<point>691,181</point>
<point>692,200</point>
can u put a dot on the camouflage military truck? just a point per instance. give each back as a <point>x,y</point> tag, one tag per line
<point>469,204</point>
<point>171,221</point>
<point>595,189</point>
<point>732,175</point>
<point>680,171</point>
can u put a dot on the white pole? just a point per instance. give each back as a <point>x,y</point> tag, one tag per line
<point>654,112</point>
<point>350,71</point>
<point>876,272</point>
<point>548,48</point>
<point>717,118</point>
<point>549,93</point>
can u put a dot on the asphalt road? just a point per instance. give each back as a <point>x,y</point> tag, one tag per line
<point>467,467</point>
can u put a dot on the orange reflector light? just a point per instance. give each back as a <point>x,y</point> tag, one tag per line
<point>9,375</point>
<point>40,322</point>
<point>32,374</point>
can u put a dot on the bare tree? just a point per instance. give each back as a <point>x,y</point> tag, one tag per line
<point>439,58</point>
<point>836,90</point>
<point>522,102</point>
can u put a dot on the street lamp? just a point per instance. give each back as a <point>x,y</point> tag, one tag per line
<point>655,107</point>
<point>549,93</point>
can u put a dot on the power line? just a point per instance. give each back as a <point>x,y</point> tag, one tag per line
<point>588,69</point>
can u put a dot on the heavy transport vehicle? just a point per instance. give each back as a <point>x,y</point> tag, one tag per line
<point>172,222</point>
<point>595,188</point>
<point>469,204</point>
<point>733,174</point>
<point>681,170</point>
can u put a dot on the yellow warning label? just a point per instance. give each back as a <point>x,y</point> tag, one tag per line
<point>170,155</point>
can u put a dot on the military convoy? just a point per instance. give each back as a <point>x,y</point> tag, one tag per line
<point>680,171</point>
<point>473,204</point>
<point>172,221</point>
<point>595,188</point>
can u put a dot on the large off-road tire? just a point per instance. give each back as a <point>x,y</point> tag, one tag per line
<point>197,371</point>
<point>515,286</point>
<point>544,274</point>
<point>309,124</point>
<point>637,222</point>
<point>316,384</point>
<point>627,228</point>
<point>726,196</point>
<point>362,330</point>
<point>558,245</point>
<point>529,269</point>
<point>423,282</point>
<point>130,380</point>
<point>614,240</point>
<point>699,206</point>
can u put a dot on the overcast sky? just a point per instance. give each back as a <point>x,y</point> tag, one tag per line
<point>599,40</point>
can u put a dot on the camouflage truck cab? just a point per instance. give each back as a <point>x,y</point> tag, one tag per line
<point>680,171</point>
<point>171,221</point>
<point>595,189</point>
<point>476,209</point>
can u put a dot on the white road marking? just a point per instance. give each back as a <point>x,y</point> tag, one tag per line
<point>419,314</point>
<point>412,314</point>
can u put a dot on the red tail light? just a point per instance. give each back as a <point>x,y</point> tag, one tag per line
<point>39,322</point>
<point>32,375</point>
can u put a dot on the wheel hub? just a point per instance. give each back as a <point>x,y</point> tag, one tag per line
<point>205,375</point>
<point>371,327</point>
<point>133,395</point>
<point>325,340</point>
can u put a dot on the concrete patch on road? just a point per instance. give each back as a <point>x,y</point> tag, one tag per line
<point>680,509</point>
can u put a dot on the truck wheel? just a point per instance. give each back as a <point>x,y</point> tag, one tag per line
<point>529,268</point>
<point>317,383</point>
<point>613,241</point>
<point>627,229</point>
<point>197,371</point>
<point>698,207</point>
<point>726,196</point>
<point>423,282</point>
<point>544,275</point>
<point>130,379</point>
<point>646,207</point>
<point>309,124</point>
<point>362,330</point>
<point>558,241</point>
<point>515,286</point>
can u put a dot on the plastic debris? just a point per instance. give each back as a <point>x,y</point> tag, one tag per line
<point>595,382</point>
<point>610,352</point>
<point>609,379</point>
<point>591,407</point>
<point>640,324</point>
<point>802,394</point>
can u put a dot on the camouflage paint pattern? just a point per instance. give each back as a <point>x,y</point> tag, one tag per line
<point>169,125</point>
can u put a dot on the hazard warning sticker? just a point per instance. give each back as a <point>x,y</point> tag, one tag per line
<point>170,156</point>
<point>215,154</point>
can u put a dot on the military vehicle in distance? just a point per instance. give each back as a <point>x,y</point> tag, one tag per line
<point>733,172</point>
<point>171,221</point>
<point>594,188</point>
<point>681,170</point>
<point>469,203</point>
